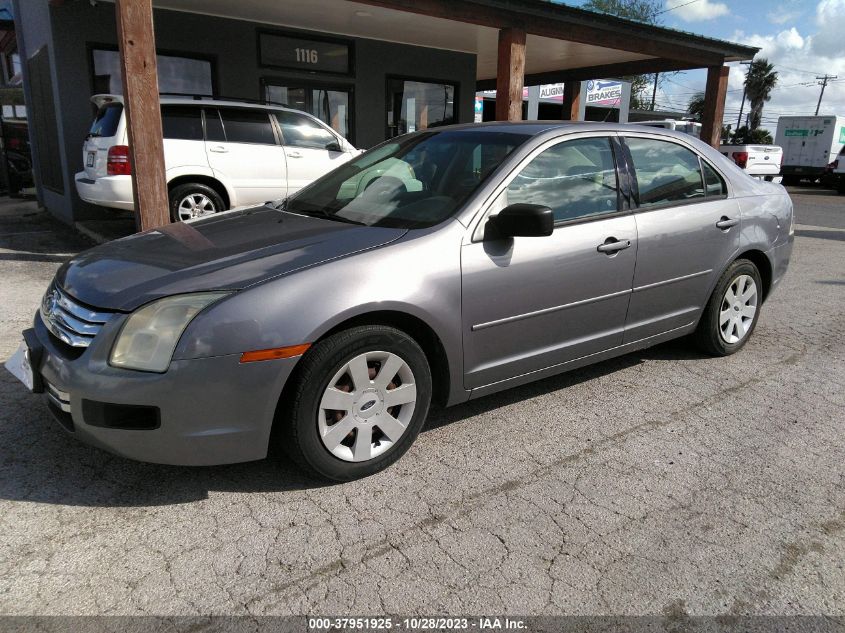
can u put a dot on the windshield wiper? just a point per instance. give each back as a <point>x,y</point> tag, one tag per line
<point>322,213</point>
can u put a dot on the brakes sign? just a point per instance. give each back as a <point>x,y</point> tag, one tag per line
<point>604,93</point>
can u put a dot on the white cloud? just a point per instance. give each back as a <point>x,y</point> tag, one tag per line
<point>830,18</point>
<point>798,57</point>
<point>697,10</point>
<point>782,17</point>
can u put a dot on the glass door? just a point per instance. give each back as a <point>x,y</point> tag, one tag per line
<point>418,105</point>
<point>329,104</point>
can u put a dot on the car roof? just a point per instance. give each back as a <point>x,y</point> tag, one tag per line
<point>100,99</point>
<point>535,128</point>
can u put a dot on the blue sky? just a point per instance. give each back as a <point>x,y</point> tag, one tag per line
<point>803,38</point>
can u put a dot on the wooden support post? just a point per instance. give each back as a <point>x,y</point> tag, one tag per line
<point>714,104</point>
<point>510,74</point>
<point>136,40</point>
<point>571,100</point>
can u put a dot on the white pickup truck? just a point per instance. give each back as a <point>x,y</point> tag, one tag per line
<point>759,161</point>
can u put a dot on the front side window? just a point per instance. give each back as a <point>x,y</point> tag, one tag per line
<point>300,131</point>
<point>181,122</point>
<point>575,179</point>
<point>413,182</point>
<point>666,172</point>
<point>247,126</point>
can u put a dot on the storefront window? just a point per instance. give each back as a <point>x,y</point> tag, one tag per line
<point>418,105</point>
<point>330,105</point>
<point>176,75</point>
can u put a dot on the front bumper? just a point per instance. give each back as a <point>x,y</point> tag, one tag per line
<point>211,410</point>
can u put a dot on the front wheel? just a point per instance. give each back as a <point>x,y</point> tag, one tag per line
<point>731,313</point>
<point>358,402</point>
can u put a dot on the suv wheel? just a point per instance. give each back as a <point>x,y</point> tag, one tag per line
<point>194,200</point>
<point>731,313</point>
<point>359,400</point>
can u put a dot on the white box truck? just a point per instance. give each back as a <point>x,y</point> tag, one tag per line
<point>810,144</point>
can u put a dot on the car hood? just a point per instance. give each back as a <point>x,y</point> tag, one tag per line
<point>229,251</point>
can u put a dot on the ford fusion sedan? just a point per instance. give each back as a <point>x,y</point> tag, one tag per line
<point>440,266</point>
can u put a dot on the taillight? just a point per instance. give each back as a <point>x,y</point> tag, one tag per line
<point>741,159</point>
<point>118,162</point>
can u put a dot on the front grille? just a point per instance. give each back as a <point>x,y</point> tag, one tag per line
<point>69,321</point>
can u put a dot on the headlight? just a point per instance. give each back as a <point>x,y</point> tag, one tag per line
<point>149,336</point>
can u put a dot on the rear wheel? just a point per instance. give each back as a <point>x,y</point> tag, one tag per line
<point>359,400</point>
<point>194,200</point>
<point>733,309</point>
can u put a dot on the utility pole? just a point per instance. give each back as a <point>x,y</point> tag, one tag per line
<point>744,88</point>
<point>823,83</point>
<point>654,91</point>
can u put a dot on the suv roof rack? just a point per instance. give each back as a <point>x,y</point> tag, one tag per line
<point>202,97</point>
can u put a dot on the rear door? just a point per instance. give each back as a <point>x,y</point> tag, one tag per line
<point>183,137</point>
<point>311,150</point>
<point>687,232</point>
<point>106,130</point>
<point>245,153</point>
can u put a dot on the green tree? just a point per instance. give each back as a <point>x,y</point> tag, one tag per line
<point>695,107</point>
<point>746,136</point>
<point>759,83</point>
<point>648,12</point>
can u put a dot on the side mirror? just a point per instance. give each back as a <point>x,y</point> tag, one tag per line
<point>520,220</point>
<point>334,146</point>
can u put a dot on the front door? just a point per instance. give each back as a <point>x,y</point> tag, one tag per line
<point>244,153</point>
<point>310,149</point>
<point>534,302</point>
<point>688,231</point>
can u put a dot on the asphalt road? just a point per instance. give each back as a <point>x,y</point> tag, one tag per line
<point>660,483</point>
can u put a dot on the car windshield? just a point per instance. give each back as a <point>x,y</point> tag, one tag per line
<point>411,182</point>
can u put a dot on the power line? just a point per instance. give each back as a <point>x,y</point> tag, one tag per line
<point>675,7</point>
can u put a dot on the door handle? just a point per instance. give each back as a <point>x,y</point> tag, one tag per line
<point>293,154</point>
<point>219,149</point>
<point>725,223</point>
<point>612,245</point>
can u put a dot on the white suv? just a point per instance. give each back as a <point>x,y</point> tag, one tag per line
<point>217,154</point>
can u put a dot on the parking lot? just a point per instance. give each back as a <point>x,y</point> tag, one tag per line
<point>662,482</point>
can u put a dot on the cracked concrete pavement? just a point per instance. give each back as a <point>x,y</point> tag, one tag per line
<point>662,482</point>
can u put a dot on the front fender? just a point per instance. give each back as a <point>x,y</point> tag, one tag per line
<point>418,275</point>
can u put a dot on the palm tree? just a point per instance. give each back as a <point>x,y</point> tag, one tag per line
<point>695,107</point>
<point>759,83</point>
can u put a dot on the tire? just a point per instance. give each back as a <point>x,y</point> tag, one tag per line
<point>718,337</point>
<point>207,200</point>
<point>304,420</point>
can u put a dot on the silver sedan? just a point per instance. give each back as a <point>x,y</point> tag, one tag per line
<point>440,266</point>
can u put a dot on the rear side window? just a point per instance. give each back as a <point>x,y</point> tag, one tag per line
<point>713,183</point>
<point>575,179</point>
<point>666,172</point>
<point>300,131</point>
<point>247,126</point>
<point>181,122</point>
<point>106,120</point>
